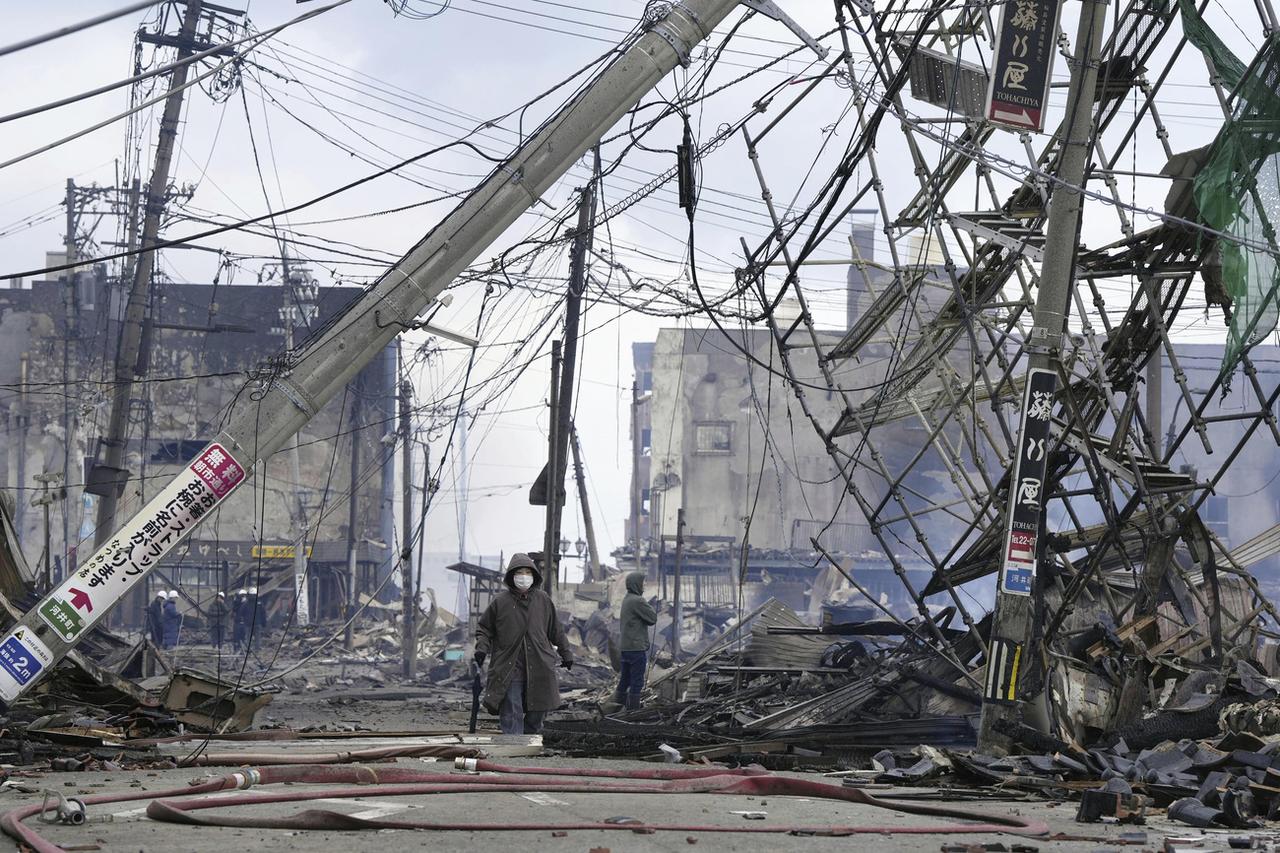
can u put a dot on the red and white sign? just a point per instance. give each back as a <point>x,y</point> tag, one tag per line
<point>219,471</point>
<point>87,594</point>
<point>1022,548</point>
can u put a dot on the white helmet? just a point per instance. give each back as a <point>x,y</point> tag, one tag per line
<point>241,591</point>
<point>253,590</point>
<point>160,593</point>
<point>173,593</point>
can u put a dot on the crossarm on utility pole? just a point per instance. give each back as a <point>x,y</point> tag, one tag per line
<point>283,403</point>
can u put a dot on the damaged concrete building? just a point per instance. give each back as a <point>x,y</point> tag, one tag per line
<point>201,341</point>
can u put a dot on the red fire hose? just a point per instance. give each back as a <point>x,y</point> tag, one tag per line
<point>377,753</point>
<point>406,781</point>
<point>483,766</point>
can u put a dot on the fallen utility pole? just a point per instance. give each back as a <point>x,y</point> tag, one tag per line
<point>408,598</point>
<point>113,442</point>
<point>285,399</point>
<point>593,554</point>
<point>1009,651</point>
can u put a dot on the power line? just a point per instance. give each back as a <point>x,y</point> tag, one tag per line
<point>128,81</point>
<point>77,27</point>
<point>260,39</point>
<point>164,244</point>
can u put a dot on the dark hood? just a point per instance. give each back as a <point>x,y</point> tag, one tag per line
<point>509,577</point>
<point>635,582</point>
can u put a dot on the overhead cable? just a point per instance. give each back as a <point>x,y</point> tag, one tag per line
<point>137,78</point>
<point>266,35</point>
<point>235,226</point>
<point>77,27</point>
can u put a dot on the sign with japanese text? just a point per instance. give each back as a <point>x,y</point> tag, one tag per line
<point>22,658</point>
<point>1027,486</point>
<point>87,594</point>
<point>1018,90</point>
<point>277,552</point>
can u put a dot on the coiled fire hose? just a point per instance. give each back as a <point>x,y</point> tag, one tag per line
<point>179,805</point>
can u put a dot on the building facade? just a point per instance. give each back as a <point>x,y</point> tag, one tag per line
<point>200,345</point>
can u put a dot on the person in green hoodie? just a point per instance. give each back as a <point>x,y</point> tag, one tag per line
<point>637,617</point>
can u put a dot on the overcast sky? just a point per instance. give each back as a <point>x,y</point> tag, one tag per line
<point>339,96</point>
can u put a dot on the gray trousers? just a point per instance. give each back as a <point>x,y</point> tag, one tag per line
<point>512,716</point>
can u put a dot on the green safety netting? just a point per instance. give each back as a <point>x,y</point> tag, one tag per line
<point>1238,190</point>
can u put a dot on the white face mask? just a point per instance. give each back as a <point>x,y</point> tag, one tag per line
<point>523,581</point>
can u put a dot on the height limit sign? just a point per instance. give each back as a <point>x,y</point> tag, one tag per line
<point>1018,90</point>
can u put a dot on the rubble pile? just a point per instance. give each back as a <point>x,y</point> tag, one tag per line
<point>771,685</point>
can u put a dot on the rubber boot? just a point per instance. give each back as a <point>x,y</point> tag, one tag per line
<point>633,702</point>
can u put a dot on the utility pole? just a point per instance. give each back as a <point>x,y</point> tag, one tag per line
<point>113,443</point>
<point>130,263</point>
<point>551,539</point>
<point>298,308</point>
<point>422,522</point>
<point>1009,650</point>
<point>593,555</point>
<point>677,604</point>
<point>352,491</point>
<point>47,496</point>
<point>408,606</point>
<point>386,408</point>
<point>637,496</point>
<point>464,488</point>
<point>24,424</point>
<point>70,333</point>
<point>572,315</point>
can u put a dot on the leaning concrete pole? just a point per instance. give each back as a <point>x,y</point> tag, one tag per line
<point>130,345</point>
<point>1009,651</point>
<point>276,407</point>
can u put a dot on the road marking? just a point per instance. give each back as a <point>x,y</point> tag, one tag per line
<point>134,814</point>
<point>376,809</point>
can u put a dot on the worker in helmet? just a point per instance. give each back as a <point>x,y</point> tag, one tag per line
<point>172,620</point>
<point>521,637</point>
<point>239,618</point>
<point>255,619</point>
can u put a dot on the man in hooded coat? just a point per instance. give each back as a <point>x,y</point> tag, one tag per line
<point>522,638</point>
<point>637,617</point>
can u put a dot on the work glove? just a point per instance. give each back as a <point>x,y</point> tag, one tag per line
<point>480,656</point>
<point>567,664</point>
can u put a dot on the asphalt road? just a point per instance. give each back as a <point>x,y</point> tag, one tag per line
<point>125,827</point>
